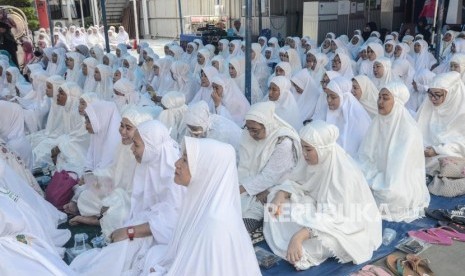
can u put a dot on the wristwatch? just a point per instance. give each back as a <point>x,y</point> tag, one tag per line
<point>131,232</point>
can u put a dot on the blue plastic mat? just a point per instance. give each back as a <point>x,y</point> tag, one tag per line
<point>333,268</point>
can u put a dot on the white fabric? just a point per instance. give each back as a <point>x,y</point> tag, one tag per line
<point>165,82</point>
<point>442,126</point>
<point>12,131</point>
<point>346,65</point>
<point>233,99</point>
<point>130,95</point>
<point>123,36</point>
<point>306,102</point>
<point>350,117</point>
<point>285,106</point>
<point>422,80</point>
<point>184,81</point>
<point>392,159</point>
<point>210,225</point>
<point>424,59</point>
<point>59,67</point>
<point>369,97</point>
<point>104,88</point>
<point>205,92</point>
<point>320,67</point>
<point>330,190</point>
<point>90,84</point>
<point>388,76</point>
<point>172,117</point>
<point>239,65</point>
<point>75,74</point>
<point>260,69</point>
<point>105,120</point>
<point>366,66</point>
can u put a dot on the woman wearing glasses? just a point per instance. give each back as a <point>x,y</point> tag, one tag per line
<point>441,120</point>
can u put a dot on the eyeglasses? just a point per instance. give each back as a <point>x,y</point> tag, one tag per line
<point>253,131</point>
<point>435,97</point>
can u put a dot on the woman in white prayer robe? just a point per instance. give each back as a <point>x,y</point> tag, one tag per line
<point>235,49</point>
<point>122,36</point>
<point>203,60</point>
<point>457,63</point>
<point>121,52</point>
<point>306,93</point>
<point>347,114</point>
<point>68,140</point>
<point>21,241</point>
<point>342,64</point>
<point>441,119</point>
<point>316,65</point>
<point>269,150</point>
<point>103,75</point>
<point>43,217</point>
<point>210,225</point>
<point>374,51</point>
<point>392,158</point>
<point>173,115</point>
<point>57,64</point>
<point>366,92</point>
<point>31,101</point>
<point>125,94</point>
<point>74,71</point>
<point>328,177</point>
<point>322,104</point>
<point>383,73</point>
<point>423,59</point>
<point>190,56</point>
<point>221,65</point>
<point>229,101</point>
<point>163,81</point>
<point>201,123</point>
<point>155,207</point>
<point>420,85</point>
<point>185,83</point>
<point>223,48</point>
<point>88,70</point>
<point>12,77</point>
<point>260,69</point>
<point>135,73</point>
<point>111,60</point>
<point>205,92</point>
<point>285,104</point>
<point>12,131</point>
<point>237,73</point>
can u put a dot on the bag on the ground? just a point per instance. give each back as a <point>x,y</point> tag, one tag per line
<point>60,190</point>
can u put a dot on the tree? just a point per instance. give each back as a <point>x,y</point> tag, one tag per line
<point>28,7</point>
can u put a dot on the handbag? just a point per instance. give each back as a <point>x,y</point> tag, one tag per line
<point>60,190</point>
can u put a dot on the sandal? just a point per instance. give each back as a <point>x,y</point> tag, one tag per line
<point>430,237</point>
<point>420,266</point>
<point>457,227</point>
<point>399,266</point>
<point>448,232</point>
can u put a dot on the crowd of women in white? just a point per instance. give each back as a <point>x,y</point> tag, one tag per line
<point>349,123</point>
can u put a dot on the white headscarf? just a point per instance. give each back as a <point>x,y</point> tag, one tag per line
<point>52,127</point>
<point>233,99</point>
<point>443,126</point>
<point>366,66</point>
<point>172,117</point>
<point>123,36</point>
<point>164,82</point>
<point>239,65</point>
<point>205,93</point>
<point>306,101</point>
<point>254,155</point>
<point>350,117</point>
<point>369,97</point>
<point>12,131</point>
<point>346,65</point>
<point>131,96</point>
<point>320,68</point>
<point>294,60</point>
<point>58,68</point>
<point>387,76</point>
<point>387,171</point>
<point>459,58</point>
<point>210,218</point>
<point>104,87</point>
<point>16,77</point>
<point>90,84</point>
<point>286,106</point>
<point>105,120</point>
<point>337,183</point>
<point>423,59</point>
<point>274,44</point>
<point>75,74</point>
<point>225,44</point>
<point>155,198</point>
<point>184,81</point>
<point>422,80</point>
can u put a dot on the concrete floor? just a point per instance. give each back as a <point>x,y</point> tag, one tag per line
<point>444,260</point>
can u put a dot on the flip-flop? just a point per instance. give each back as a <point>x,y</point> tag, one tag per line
<point>420,266</point>
<point>399,266</point>
<point>446,231</point>
<point>458,227</point>
<point>430,237</point>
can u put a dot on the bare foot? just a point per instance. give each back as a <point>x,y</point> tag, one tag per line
<point>71,208</point>
<point>93,220</point>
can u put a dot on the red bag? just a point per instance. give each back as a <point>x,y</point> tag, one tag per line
<point>60,190</point>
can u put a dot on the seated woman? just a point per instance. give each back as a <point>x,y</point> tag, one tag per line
<point>365,91</point>
<point>345,112</point>
<point>326,177</point>
<point>155,207</point>
<point>184,81</point>
<point>22,241</point>
<point>12,131</point>
<point>210,226</point>
<point>102,120</point>
<point>286,106</point>
<point>229,101</point>
<point>306,94</point>
<point>269,151</point>
<point>383,72</point>
<point>392,159</point>
<point>441,120</point>
<point>205,92</point>
<point>173,115</point>
<point>418,91</point>
<point>200,123</point>
<point>237,73</point>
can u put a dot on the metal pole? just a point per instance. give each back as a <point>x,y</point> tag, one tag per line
<point>68,11</point>
<point>136,21</point>
<point>248,49</point>
<point>105,25</point>
<point>259,16</point>
<point>180,16</point>
<point>146,18</point>
<point>82,13</point>
<point>50,22</point>
<point>97,19</point>
<point>439,15</point>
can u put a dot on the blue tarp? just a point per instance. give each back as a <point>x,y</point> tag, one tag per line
<point>333,268</point>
